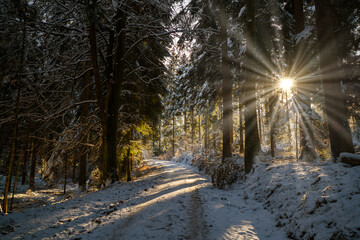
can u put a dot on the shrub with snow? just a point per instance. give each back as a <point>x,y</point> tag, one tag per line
<point>226,173</point>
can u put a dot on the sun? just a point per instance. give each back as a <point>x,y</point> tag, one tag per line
<point>286,83</point>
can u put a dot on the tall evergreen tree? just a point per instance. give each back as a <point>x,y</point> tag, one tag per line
<point>226,85</point>
<point>338,126</point>
<point>252,141</point>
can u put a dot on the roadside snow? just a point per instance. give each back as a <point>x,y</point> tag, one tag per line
<point>309,200</point>
<point>174,202</point>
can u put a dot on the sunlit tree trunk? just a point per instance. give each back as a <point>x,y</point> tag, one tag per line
<point>260,126</point>
<point>185,131</point>
<point>226,85</point>
<point>206,134</point>
<point>241,127</point>
<point>129,159</point>
<point>338,126</point>
<point>296,137</point>
<point>173,135</point>
<point>214,134</point>
<point>199,118</point>
<point>192,126</point>
<point>288,117</point>
<point>160,136</point>
<point>273,100</point>
<point>185,123</point>
<point>251,129</point>
<point>154,137</point>
<point>125,170</point>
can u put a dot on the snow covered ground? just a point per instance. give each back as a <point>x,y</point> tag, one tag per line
<point>277,201</point>
<point>173,202</point>
<point>310,200</point>
<point>319,200</point>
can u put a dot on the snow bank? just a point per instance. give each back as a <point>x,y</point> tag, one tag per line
<point>185,158</point>
<point>309,200</point>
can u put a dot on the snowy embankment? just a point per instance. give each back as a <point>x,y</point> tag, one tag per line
<point>309,200</point>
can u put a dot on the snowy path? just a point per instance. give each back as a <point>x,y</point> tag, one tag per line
<point>171,203</point>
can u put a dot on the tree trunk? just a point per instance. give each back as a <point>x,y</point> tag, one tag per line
<point>185,123</point>
<point>185,130</point>
<point>94,58</point>
<point>21,155</point>
<point>296,137</point>
<point>12,153</point>
<point>65,160</point>
<point>199,130</point>
<point>241,128</point>
<point>227,83</point>
<point>259,117</point>
<point>160,136</point>
<point>109,109</point>
<point>303,87</point>
<point>33,166</point>
<point>98,86</point>
<point>173,135</point>
<point>206,134</point>
<point>129,160</point>
<point>128,165</point>
<point>338,126</point>
<point>26,156</point>
<point>251,129</point>
<point>273,118</point>
<point>84,114</point>
<point>13,143</point>
<point>192,126</point>
<point>288,116</point>
<point>114,100</point>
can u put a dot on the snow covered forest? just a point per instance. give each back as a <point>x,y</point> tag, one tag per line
<point>180,119</point>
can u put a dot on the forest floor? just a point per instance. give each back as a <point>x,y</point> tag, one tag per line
<point>172,201</point>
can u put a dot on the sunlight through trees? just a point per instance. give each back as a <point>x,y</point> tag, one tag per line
<point>88,89</point>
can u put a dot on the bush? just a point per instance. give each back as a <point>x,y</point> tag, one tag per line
<point>226,173</point>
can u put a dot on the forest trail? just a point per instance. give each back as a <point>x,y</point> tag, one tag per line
<point>172,202</point>
<point>171,209</point>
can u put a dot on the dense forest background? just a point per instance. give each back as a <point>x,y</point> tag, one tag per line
<point>89,88</point>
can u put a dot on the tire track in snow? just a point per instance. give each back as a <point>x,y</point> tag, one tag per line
<point>197,224</point>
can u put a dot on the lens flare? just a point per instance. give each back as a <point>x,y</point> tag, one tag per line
<point>286,83</point>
